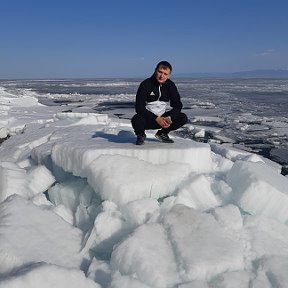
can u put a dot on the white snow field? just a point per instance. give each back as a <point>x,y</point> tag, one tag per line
<point>82,206</point>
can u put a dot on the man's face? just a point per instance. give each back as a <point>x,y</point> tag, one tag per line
<point>162,74</point>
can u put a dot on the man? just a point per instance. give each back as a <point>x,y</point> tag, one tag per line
<point>152,98</point>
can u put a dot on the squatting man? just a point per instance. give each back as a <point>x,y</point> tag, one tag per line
<point>152,98</point>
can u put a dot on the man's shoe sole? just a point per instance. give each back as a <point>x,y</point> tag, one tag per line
<point>163,141</point>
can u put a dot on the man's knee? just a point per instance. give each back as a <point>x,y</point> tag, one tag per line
<point>137,118</point>
<point>138,123</point>
<point>183,119</point>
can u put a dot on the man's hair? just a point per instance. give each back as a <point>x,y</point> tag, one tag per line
<point>166,64</point>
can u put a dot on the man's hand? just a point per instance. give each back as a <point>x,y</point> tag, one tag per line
<point>164,122</point>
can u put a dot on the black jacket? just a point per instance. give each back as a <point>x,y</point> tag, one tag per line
<point>169,93</point>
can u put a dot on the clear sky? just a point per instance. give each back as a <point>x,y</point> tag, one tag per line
<point>114,38</point>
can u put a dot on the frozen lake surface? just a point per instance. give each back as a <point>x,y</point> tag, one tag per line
<point>249,113</point>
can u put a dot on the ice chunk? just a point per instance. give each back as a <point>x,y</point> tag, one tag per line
<point>194,284</point>
<point>272,272</point>
<point>13,180</point>
<point>259,158</point>
<point>267,237</point>
<point>24,101</point>
<point>229,216</point>
<point>259,189</point>
<point>239,279</point>
<point>147,256</point>
<point>3,132</point>
<point>74,200</point>
<point>83,118</point>
<point>199,132</point>
<point>75,155</point>
<point>228,151</point>
<point>126,281</point>
<point>40,179</point>
<point>68,193</point>
<point>19,147</point>
<point>100,272</point>
<point>40,199</point>
<point>222,191</point>
<point>197,194</point>
<point>64,213</point>
<point>47,276</point>
<point>133,179</point>
<point>232,153</point>
<point>253,158</point>
<point>220,163</point>
<point>31,234</point>
<point>109,228</point>
<point>139,212</point>
<point>202,246</point>
<point>261,281</point>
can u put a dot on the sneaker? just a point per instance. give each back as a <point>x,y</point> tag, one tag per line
<point>140,139</point>
<point>163,137</point>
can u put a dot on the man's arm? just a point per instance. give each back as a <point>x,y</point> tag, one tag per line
<point>140,105</point>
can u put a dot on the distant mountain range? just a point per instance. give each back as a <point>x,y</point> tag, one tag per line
<point>271,73</point>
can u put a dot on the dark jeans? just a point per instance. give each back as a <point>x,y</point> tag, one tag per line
<point>140,124</point>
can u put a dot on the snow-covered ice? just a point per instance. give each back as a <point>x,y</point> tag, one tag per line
<point>259,189</point>
<point>82,206</point>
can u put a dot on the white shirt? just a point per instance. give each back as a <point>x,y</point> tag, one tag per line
<point>157,107</point>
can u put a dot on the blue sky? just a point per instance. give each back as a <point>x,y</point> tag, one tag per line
<point>114,38</point>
